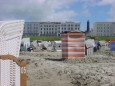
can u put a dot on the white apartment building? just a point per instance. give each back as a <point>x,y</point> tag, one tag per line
<point>49,28</point>
<point>104,29</point>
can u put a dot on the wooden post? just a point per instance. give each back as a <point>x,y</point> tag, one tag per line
<point>22,65</point>
<point>23,74</point>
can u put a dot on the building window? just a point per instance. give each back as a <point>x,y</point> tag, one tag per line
<point>75,25</point>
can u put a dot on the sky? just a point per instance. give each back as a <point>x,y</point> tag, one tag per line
<point>59,11</point>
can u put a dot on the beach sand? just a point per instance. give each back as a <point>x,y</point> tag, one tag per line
<point>49,69</point>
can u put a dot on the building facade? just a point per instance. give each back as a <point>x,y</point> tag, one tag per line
<point>104,29</point>
<point>49,28</point>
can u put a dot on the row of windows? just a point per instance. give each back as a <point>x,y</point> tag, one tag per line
<point>57,25</point>
<point>105,34</point>
<point>32,25</point>
<point>42,33</point>
<point>103,27</point>
<point>49,25</point>
<point>59,28</point>
<point>103,30</point>
<point>45,32</point>
<point>31,28</point>
<point>71,25</point>
<point>35,30</point>
<point>50,28</point>
<point>50,32</point>
<point>103,24</point>
<point>36,25</point>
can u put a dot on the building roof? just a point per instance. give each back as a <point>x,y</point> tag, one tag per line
<point>48,22</point>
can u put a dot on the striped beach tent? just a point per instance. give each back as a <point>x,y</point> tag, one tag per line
<point>73,44</point>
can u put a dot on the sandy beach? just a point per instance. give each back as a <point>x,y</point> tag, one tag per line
<point>49,69</point>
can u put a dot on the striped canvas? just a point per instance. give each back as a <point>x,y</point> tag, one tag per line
<point>73,45</point>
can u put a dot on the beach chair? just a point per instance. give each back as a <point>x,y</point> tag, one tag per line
<point>12,69</point>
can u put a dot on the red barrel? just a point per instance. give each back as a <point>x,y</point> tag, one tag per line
<point>73,44</point>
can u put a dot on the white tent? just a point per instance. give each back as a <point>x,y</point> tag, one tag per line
<point>25,43</point>
<point>90,44</point>
<point>58,45</point>
<point>103,45</point>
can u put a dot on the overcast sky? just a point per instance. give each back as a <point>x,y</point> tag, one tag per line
<point>58,10</point>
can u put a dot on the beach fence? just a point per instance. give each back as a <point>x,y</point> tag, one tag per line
<point>12,69</point>
<point>73,44</point>
<point>90,44</point>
